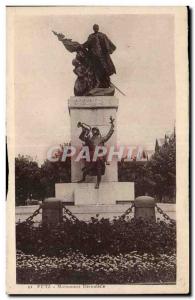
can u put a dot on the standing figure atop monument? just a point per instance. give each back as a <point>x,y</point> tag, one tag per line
<point>92,64</point>
<point>100,48</point>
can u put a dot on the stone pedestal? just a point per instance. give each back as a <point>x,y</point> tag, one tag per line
<point>145,208</point>
<point>96,112</point>
<point>52,211</point>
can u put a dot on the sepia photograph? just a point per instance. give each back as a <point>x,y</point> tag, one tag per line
<point>98,150</point>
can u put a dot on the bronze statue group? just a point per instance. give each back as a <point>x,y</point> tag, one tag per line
<point>92,64</point>
<point>93,67</point>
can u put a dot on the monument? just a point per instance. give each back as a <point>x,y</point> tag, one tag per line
<point>93,115</point>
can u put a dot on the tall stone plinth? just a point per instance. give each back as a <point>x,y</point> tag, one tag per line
<point>96,112</point>
<point>113,197</point>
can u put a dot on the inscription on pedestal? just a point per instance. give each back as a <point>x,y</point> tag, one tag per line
<point>93,102</point>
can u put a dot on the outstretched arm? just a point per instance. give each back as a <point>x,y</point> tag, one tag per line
<point>70,45</point>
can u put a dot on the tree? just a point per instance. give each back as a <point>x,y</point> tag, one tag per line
<point>54,172</point>
<point>157,147</point>
<point>157,176</point>
<point>39,181</point>
<point>133,171</point>
<point>160,175</point>
<point>27,179</point>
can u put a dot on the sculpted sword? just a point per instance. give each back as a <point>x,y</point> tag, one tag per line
<point>118,89</point>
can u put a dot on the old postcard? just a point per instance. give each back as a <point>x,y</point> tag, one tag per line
<point>98,149</point>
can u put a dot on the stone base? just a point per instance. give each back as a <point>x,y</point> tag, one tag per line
<point>65,191</point>
<point>109,193</point>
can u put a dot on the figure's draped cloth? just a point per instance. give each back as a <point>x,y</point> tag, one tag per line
<point>100,47</point>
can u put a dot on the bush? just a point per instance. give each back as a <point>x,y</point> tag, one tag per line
<point>98,237</point>
<point>76,268</point>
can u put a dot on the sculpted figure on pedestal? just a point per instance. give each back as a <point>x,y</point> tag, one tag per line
<point>93,138</point>
<point>92,64</point>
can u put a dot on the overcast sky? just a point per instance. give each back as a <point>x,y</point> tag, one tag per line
<point>144,61</point>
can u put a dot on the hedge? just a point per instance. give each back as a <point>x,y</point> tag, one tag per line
<point>98,237</point>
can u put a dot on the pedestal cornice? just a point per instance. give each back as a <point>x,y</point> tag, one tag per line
<point>92,102</point>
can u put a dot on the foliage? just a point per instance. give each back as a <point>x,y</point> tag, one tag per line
<point>161,170</point>
<point>75,267</point>
<point>98,237</point>
<point>157,176</point>
<point>38,181</point>
<point>134,171</point>
<point>54,172</point>
<point>27,179</point>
